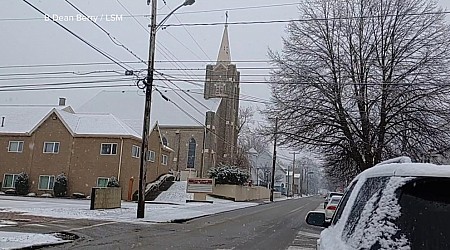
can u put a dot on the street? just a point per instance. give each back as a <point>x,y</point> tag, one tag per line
<point>277,225</point>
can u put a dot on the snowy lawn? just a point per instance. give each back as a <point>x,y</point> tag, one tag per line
<point>178,209</point>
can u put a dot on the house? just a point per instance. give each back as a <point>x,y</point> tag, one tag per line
<point>200,125</point>
<point>45,141</point>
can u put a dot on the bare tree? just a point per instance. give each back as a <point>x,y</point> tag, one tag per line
<point>249,135</point>
<point>364,80</point>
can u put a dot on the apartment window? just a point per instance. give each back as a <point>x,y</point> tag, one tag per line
<point>164,159</point>
<point>102,181</point>
<point>51,147</point>
<point>46,182</point>
<point>151,155</point>
<point>9,180</point>
<point>135,151</point>
<point>191,153</point>
<point>109,149</point>
<point>15,146</point>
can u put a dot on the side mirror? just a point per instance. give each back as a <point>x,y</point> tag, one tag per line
<point>316,218</point>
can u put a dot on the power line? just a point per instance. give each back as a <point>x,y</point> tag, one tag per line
<point>22,86</point>
<point>193,118</point>
<point>192,37</point>
<point>123,62</point>
<point>56,77</point>
<point>130,15</point>
<point>303,20</point>
<point>61,72</point>
<point>78,37</point>
<point>112,38</point>
<point>166,54</point>
<point>194,92</point>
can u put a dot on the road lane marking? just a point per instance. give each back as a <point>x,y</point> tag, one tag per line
<point>307,234</point>
<point>295,210</point>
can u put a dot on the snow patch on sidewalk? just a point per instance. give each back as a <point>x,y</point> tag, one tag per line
<point>15,240</point>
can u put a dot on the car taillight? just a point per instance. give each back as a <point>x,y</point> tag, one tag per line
<point>331,207</point>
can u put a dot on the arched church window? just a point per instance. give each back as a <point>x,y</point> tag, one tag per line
<point>164,141</point>
<point>191,153</point>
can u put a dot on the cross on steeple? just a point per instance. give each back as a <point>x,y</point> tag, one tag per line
<point>224,56</point>
<point>226,18</point>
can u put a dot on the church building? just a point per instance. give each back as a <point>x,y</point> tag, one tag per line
<point>199,125</point>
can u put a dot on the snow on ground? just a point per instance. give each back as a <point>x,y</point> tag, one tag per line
<point>169,206</point>
<point>14,240</point>
<point>176,193</point>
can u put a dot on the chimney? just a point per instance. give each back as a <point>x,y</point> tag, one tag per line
<point>62,101</point>
<point>3,121</point>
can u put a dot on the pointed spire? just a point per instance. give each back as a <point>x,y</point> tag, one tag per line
<point>224,56</point>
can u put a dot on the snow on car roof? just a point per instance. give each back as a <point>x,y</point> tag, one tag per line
<point>407,169</point>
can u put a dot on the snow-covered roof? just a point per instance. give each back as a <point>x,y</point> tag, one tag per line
<point>96,124</point>
<point>185,108</point>
<point>22,119</point>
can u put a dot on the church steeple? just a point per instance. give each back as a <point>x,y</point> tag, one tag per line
<point>224,56</point>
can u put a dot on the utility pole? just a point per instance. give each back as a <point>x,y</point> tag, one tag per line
<point>148,102</point>
<point>293,173</point>
<point>272,184</point>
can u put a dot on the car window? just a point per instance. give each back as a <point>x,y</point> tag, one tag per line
<point>335,200</point>
<point>370,188</point>
<point>424,221</point>
<point>343,202</point>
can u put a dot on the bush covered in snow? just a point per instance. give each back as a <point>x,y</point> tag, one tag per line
<point>113,182</point>
<point>60,186</point>
<point>228,175</point>
<point>22,184</point>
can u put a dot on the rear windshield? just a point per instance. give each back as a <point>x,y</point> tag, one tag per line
<point>401,213</point>
<point>425,213</point>
<point>335,199</point>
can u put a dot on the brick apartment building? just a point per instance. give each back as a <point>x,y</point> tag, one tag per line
<point>45,141</point>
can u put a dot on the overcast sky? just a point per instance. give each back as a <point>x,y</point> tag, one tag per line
<point>28,39</point>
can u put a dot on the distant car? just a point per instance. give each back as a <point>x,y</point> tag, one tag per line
<point>393,205</point>
<point>331,206</point>
<point>328,197</point>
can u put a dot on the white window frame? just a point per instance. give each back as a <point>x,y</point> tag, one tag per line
<point>164,159</point>
<point>14,177</point>
<point>53,148</point>
<point>19,147</point>
<point>112,147</point>
<point>102,178</point>
<point>135,151</point>
<point>49,182</point>
<point>151,156</point>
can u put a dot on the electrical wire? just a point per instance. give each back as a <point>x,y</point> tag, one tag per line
<point>303,20</point>
<point>112,38</point>
<point>78,37</point>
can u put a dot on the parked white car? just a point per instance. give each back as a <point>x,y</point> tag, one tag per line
<point>394,205</point>
<point>328,197</point>
<point>331,206</point>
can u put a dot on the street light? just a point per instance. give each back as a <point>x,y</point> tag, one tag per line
<point>148,98</point>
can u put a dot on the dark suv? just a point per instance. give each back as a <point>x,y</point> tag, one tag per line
<point>394,205</point>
